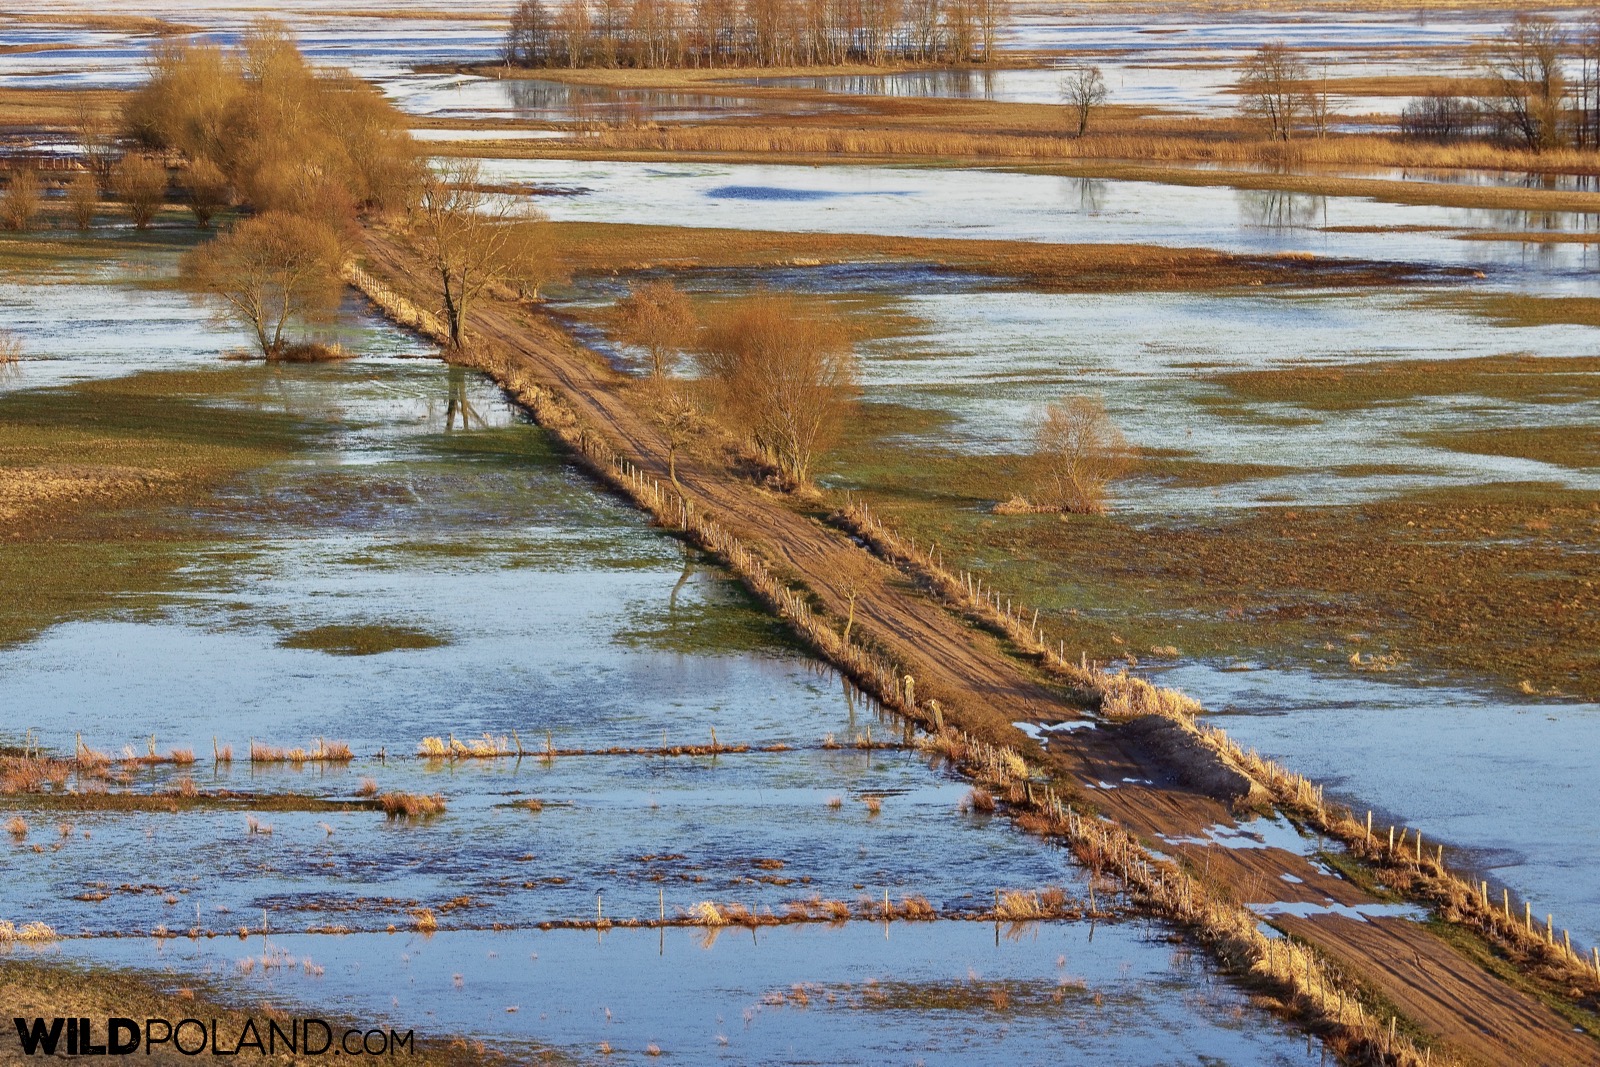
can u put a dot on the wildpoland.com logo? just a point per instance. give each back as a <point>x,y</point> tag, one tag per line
<point>195,1037</point>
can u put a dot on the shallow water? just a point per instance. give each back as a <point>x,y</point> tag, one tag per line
<point>1512,782</point>
<point>923,993</point>
<point>999,204</point>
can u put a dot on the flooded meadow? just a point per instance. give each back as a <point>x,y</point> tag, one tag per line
<point>354,690</point>
<point>367,589</point>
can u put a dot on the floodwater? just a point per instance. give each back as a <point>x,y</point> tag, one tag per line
<point>467,97</point>
<point>946,993</point>
<point>423,504</point>
<point>1512,781</point>
<point>1010,205</point>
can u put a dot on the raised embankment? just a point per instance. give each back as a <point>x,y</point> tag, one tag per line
<point>1144,795</point>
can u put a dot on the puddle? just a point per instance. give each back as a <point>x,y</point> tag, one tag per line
<point>1259,832</point>
<point>1358,912</point>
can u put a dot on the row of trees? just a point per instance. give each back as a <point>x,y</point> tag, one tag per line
<point>1538,87</point>
<point>140,183</point>
<point>758,33</point>
<point>304,153</point>
<point>257,123</point>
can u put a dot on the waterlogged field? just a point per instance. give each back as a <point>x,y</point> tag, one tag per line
<point>1246,402</point>
<point>366,590</point>
<point>596,804</point>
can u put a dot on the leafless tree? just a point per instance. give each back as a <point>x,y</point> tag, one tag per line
<point>1440,116</point>
<point>782,372</point>
<point>1078,451</point>
<point>83,198</point>
<point>474,241</point>
<point>141,182</point>
<point>270,271</point>
<point>1272,84</point>
<point>1527,85</point>
<point>674,410</point>
<point>1084,89</point>
<point>21,199</point>
<point>208,190</point>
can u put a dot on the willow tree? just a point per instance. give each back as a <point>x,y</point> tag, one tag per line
<point>658,318</point>
<point>783,373</point>
<point>268,272</point>
<point>1078,452</point>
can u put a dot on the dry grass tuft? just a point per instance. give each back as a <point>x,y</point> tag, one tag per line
<point>17,827</point>
<point>424,920</point>
<point>411,805</point>
<point>34,932</point>
<point>978,799</point>
<point>874,805</point>
<point>368,788</point>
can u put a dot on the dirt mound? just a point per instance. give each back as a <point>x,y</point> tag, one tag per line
<point>1179,749</point>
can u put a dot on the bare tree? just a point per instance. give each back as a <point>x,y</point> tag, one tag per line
<point>141,182</point>
<point>658,318</point>
<point>531,40</point>
<point>97,137</point>
<point>21,199</point>
<point>1078,451</point>
<point>679,418</point>
<point>269,272</point>
<point>1439,116</point>
<point>1527,83</point>
<point>83,198</point>
<point>474,242</point>
<point>1273,87</point>
<point>782,372</point>
<point>1083,89</point>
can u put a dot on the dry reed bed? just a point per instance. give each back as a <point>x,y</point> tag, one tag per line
<point>1307,985</point>
<point>489,747</point>
<point>1414,871</point>
<point>1352,150</point>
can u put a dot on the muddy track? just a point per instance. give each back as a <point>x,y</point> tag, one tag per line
<point>1476,1017</point>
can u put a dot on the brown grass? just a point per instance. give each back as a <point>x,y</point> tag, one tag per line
<point>978,799</point>
<point>322,752</point>
<point>411,805</point>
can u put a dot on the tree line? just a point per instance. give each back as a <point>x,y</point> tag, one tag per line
<point>1537,87</point>
<point>751,33</point>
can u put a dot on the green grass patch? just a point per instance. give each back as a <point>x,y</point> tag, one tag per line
<point>362,639</point>
<point>102,485</point>
<point>1564,446</point>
